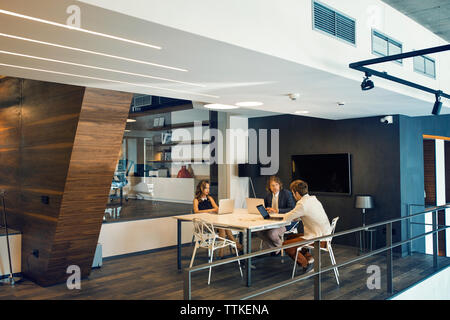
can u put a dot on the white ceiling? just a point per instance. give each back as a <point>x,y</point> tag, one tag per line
<point>227,74</point>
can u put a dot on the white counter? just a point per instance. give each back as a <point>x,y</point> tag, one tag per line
<point>179,190</point>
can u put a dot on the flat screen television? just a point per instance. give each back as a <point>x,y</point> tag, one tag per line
<point>324,173</point>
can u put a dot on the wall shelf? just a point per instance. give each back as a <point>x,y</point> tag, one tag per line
<point>178,126</point>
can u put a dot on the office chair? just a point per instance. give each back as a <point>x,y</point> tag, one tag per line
<point>120,179</point>
<point>328,249</point>
<point>206,237</point>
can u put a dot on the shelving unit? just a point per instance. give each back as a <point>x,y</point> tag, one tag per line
<point>178,126</point>
<point>158,155</point>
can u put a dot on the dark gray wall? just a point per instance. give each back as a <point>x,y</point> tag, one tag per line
<point>411,163</point>
<point>375,152</point>
<point>387,163</point>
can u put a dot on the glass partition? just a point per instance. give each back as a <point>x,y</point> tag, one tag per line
<point>164,155</point>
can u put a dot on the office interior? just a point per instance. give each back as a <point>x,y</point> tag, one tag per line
<point>99,173</point>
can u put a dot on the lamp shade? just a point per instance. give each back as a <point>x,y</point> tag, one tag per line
<point>364,202</point>
<point>249,170</point>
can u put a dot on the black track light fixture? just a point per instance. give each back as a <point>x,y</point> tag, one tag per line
<point>437,104</point>
<point>367,84</point>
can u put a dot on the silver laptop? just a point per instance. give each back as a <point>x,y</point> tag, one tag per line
<point>252,203</point>
<point>226,206</point>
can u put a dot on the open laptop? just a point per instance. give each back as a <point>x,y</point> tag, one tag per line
<point>252,204</point>
<point>267,216</point>
<point>226,206</point>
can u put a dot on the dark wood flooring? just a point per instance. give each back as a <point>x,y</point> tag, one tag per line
<point>143,209</point>
<point>155,276</point>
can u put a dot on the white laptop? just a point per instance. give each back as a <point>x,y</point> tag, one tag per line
<point>252,203</point>
<point>226,206</point>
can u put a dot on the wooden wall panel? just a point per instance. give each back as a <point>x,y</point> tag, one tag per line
<point>62,143</point>
<point>429,157</point>
<point>93,161</point>
<point>447,171</point>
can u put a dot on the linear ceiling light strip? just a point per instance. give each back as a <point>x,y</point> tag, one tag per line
<point>99,68</point>
<point>108,80</point>
<point>91,52</point>
<point>60,25</point>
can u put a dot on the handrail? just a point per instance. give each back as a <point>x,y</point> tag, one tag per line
<point>339,265</point>
<point>188,271</point>
<point>296,244</point>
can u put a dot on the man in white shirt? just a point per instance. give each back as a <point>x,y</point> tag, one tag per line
<point>315,222</point>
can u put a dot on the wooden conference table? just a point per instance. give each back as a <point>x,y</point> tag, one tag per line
<point>239,220</point>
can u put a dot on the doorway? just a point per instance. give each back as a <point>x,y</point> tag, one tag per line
<point>436,151</point>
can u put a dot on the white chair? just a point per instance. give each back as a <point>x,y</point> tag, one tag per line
<point>206,237</point>
<point>328,249</point>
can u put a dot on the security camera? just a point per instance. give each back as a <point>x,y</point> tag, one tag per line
<point>294,96</point>
<point>387,120</point>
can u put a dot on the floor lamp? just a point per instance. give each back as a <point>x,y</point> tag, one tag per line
<point>11,279</point>
<point>363,202</point>
<point>250,171</point>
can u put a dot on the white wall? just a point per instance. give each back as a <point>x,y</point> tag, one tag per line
<point>134,236</point>
<point>15,243</point>
<point>237,152</point>
<point>437,287</point>
<point>440,186</point>
<point>440,197</point>
<point>284,29</point>
<point>190,115</point>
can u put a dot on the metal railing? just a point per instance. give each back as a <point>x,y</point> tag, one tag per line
<point>318,269</point>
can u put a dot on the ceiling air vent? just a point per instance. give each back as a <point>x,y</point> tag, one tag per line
<point>334,23</point>
<point>142,100</point>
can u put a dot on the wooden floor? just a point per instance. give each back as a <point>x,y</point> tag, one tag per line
<point>155,276</point>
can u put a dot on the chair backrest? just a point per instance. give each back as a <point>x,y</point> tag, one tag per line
<point>294,228</point>
<point>333,224</point>
<point>130,165</point>
<point>203,231</point>
<point>333,228</point>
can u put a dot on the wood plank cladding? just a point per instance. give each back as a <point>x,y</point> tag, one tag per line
<point>429,160</point>
<point>94,157</point>
<point>61,142</point>
<point>447,171</point>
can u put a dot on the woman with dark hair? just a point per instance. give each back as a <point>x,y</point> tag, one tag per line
<point>204,203</point>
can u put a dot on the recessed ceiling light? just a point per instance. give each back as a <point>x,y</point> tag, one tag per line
<point>60,25</point>
<point>126,130</point>
<point>90,52</point>
<point>99,68</point>
<point>249,104</point>
<point>301,112</point>
<point>218,106</point>
<point>108,80</point>
<point>131,120</point>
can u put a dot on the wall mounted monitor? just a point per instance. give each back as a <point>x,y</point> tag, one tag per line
<point>324,173</point>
